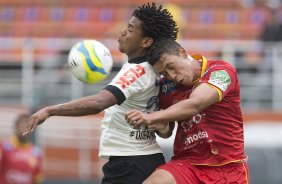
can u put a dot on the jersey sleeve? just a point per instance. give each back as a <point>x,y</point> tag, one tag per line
<point>129,81</point>
<point>221,78</point>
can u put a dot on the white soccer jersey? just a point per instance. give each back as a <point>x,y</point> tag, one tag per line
<point>138,85</point>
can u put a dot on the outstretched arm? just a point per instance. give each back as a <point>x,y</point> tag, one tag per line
<point>201,98</point>
<point>80,107</point>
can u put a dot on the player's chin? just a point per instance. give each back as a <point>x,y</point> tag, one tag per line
<point>121,49</point>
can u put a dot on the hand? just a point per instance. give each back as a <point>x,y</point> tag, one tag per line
<point>136,118</point>
<point>36,119</point>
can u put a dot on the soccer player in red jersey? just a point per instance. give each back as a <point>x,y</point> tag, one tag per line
<point>203,96</point>
<point>20,160</point>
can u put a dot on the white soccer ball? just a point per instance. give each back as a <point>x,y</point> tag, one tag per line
<point>90,61</point>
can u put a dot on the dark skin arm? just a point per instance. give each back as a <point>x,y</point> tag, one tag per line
<point>83,106</point>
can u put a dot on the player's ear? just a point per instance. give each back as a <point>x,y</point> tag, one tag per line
<point>147,42</point>
<point>183,52</point>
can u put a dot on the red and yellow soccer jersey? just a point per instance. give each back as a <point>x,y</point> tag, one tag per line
<point>19,163</point>
<point>214,136</point>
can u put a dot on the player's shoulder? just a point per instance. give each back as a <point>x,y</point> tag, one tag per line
<point>220,64</point>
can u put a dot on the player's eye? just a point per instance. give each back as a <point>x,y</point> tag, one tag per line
<point>170,66</point>
<point>130,28</point>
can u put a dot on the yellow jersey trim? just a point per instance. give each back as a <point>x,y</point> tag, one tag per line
<point>204,68</point>
<point>246,172</point>
<point>233,161</point>
<point>218,91</point>
<point>18,144</point>
<point>204,63</point>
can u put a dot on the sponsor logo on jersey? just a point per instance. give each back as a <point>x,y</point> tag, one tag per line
<point>143,134</point>
<point>130,76</point>
<point>167,86</point>
<point>14,176</point>
<point>191,124</point>
<point>196,137</point>
<point>220,79</point>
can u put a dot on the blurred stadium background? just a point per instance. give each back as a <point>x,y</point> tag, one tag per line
<point>36,35</point>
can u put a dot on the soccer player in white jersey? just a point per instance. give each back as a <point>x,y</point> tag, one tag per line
<point>133,152</point>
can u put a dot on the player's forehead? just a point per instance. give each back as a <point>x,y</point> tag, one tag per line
<point>135,22</point>
<point>161,64</point>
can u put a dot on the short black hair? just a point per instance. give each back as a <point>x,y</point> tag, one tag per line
<point>156,22</point>
<point>159,47</point>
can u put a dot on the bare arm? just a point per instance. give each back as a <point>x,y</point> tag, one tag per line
<point>84,106</point>
<point>80,107</point>
<point>165,132</point>
<point>201,98</point>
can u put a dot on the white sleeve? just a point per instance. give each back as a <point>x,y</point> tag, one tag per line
<point>132,79</point>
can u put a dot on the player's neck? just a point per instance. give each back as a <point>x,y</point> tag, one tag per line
<point>137,54</point>
<point>197,68</point>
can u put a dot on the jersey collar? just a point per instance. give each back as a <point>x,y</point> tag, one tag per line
<point>138,60</point>
<point>18,144</point>
<point>204,61</point>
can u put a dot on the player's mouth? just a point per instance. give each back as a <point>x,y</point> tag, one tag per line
<point>178,80</point>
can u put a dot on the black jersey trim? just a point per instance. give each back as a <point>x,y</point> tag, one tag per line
<point>117,93</point>
<point>138,60</point>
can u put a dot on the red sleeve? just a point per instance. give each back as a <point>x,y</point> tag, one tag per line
<point>223,77</point>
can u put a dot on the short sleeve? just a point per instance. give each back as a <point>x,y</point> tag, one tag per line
<point>132,79</point>
<point>223,78</point>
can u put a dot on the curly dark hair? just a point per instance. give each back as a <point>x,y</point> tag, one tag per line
<point>156,22</point>
<point>162,46</point>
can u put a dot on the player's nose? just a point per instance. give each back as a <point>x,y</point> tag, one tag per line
<point>171,76</point>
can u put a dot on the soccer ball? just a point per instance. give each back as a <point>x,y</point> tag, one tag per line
<point>90,61</point>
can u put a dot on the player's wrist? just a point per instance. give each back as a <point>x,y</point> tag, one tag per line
<point>153,118</point>
<point>164,130</point>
